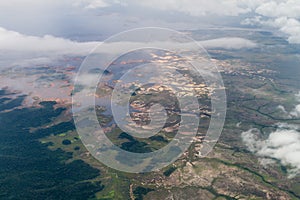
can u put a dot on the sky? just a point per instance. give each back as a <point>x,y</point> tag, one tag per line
<point>101,18</point>
<point>75,26</point>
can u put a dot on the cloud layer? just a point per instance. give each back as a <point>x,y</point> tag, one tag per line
<point>18,49</point>
<point>14,41</point>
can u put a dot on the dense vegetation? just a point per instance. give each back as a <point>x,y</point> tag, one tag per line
<point>28,169</point>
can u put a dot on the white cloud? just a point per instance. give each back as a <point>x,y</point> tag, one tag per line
<point>283,15</point>
<point>18,49</point>
<point>289,26</point>
<point>287,8</point>
<point>14,41</point>
<point>228,43</point>
<point>283,144</point>
<point>294,113</point>
<point>17,42</point>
